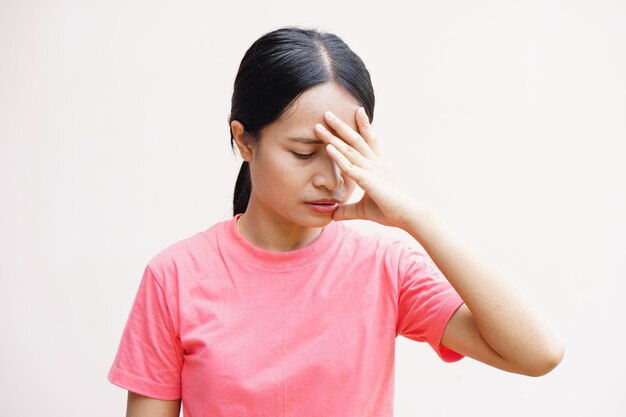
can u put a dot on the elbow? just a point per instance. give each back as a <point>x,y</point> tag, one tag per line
<point>550,359</point>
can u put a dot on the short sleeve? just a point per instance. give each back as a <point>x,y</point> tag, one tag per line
<point>426,301</point>
<point>149,357</point>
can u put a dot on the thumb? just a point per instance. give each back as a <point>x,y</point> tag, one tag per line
<point>346,212</point>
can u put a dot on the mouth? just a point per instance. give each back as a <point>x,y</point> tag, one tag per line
<point>326,201</point>
<point>323,206</point>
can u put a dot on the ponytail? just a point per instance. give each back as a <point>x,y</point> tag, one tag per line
<point>243,187</point>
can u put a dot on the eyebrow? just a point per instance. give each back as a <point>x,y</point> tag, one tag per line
<point>307,141</point>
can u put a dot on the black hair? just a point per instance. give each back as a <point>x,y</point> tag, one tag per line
<point>275,70</point>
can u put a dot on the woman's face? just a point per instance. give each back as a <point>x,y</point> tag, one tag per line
<point>291,166</point>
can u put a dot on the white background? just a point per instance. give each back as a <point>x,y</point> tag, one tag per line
<point>508,117</point>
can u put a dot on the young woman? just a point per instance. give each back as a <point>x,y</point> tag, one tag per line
<point>283,310</point>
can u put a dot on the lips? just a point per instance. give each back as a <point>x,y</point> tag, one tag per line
<point>329,201</point>
<point>323,206</point>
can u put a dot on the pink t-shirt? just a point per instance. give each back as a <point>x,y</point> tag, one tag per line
<point>236,330</point>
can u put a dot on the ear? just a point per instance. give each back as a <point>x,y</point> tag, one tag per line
<point>240,139</point>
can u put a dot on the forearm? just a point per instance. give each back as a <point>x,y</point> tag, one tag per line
<point>505,316</point>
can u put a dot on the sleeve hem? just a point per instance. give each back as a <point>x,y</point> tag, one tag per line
<point>141,386</point>
<point>446,312</point>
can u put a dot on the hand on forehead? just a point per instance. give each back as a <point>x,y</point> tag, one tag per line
<point>310,107</point>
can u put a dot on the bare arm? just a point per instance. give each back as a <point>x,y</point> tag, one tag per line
<point>498,325</point>
<point>141,406</point>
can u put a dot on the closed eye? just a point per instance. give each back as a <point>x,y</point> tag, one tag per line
<point>303,156</point>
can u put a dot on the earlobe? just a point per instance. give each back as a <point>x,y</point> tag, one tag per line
<point>240,139</point>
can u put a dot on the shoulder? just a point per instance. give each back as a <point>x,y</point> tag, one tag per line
<point>385,257</point>
<point>185,254</point>
<point>379,244</point>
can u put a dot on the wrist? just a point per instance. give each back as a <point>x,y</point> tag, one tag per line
<point>417,213</point>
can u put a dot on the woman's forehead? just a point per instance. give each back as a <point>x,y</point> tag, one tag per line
<point>309,108</point>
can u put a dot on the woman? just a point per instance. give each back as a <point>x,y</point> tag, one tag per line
<point>283,310</point>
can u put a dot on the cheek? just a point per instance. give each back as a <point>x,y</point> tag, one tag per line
<point>283,174</point>
<point>284,171</point>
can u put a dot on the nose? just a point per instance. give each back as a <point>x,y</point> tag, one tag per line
<point>328,174</point>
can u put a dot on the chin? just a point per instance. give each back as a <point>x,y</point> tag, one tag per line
<point>321,221</point>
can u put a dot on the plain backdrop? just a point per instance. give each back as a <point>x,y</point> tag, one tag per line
<point>508,117</point>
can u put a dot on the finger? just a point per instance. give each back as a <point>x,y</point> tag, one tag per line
<point>348,152</point>
<point>348,134</point>
<point>347,212</point>
<point>351,170</point>
<point>366,131</point>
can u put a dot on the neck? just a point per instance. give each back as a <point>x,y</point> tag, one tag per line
<point>275,233</point>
